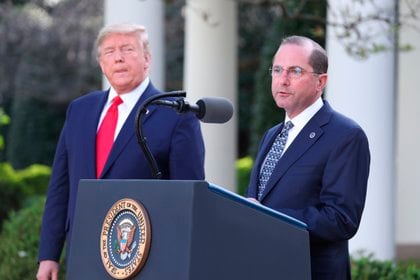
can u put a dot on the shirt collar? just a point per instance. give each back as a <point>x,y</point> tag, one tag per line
<point>303,118</point>
<point>130,98</point>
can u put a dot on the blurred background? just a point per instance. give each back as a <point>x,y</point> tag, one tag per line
<point>218,48</point>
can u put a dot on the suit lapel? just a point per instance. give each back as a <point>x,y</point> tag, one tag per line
<point>127,132</point>
<point>304,141</point>
<point>266,143</point>
<point>265,148</point>
<point>91,128</point>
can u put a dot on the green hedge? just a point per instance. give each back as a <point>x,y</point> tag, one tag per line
<point>34,179</point>
<point>19,243</point>
<point>4,120</point>
<point>34,130</point>
<point>243,171</point>
<point>365,267</point>
<point>17,187</point>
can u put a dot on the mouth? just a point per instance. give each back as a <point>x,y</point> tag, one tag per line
<point>120,71</point>
<point>283,93</point>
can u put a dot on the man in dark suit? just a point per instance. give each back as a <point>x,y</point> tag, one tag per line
<point>317,169</point>
<point>174,139</point>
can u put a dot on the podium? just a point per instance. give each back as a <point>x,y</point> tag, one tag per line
<point>198,231</point>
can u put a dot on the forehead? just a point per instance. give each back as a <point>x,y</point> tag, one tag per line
<point>292,55</point>
<point>119,39</point>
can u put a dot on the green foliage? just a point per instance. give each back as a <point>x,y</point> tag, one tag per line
<point>254,21</point>
<point>34,179</point>
<point>46,61</point>
<point>365,267</point>
<point>19,243</point>
<point>265,112</point>
<point>33,132</point>
<point>243,172</point>
<point>10,193</point>
<point>4,120</point>
<point>18,187</point>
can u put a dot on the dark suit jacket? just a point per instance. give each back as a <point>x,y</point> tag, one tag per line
<point>321,179</point>
<point>174,139</point>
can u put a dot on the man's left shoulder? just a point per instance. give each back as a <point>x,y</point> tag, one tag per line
<point>338,119</point>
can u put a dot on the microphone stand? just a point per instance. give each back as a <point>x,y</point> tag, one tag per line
<point>139,129</point>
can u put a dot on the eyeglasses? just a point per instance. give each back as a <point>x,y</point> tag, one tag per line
<point>294,72</point>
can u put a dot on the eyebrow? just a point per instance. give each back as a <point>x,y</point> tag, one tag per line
<point>293,66</point>
<point>108,48</point>
<point>122,46</point>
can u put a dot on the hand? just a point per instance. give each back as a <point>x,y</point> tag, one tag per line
<point>48,270</point>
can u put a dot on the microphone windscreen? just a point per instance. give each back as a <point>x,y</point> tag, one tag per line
<point>215,110</point>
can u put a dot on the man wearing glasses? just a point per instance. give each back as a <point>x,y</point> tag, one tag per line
<point>314,166</point>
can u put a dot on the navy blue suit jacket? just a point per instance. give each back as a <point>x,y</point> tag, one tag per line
<point>321,179</point>
<point>174,139</point>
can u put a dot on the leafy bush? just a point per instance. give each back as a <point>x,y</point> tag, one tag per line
<point>10,193</point>
<point>4,120</point>
<point>365,267</point>
<point>18,187</point>
<point>19,243</point>
<point>243,171</point>
<point>38,121</point>
<point>34,179</point>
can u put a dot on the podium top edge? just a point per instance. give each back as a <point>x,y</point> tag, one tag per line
<point>220,191</point>
<point>264,209</point>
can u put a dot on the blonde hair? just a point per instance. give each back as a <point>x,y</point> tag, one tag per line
<point>123,28</point>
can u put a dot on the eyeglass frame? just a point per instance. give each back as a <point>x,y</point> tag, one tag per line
<point>289,70</point>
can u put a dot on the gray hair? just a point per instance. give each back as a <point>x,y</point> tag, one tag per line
<point>123,28</point>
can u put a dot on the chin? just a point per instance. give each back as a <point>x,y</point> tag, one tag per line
<point>280,103</point>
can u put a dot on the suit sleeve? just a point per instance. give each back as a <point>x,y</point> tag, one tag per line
<point>337,214</point>
<point>53,230</point>
<point>187,150</point>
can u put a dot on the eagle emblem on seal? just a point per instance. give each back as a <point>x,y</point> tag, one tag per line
<point>125,235</point>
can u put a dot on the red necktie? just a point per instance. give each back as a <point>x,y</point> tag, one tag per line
<point>105,135</point>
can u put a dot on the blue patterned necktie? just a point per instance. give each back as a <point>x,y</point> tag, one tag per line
<point>272,157</point>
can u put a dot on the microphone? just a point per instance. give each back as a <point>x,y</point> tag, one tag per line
<point>207,109</point>
<point>210,110</point>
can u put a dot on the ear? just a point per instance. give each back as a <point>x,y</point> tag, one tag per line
<point>322,82</point>
<point>147,61</point>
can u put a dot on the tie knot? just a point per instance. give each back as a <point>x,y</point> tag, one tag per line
<point>117,101</point>
<point>289,125</point>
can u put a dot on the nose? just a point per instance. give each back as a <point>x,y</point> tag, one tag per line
<point>118,56</point>
<point>282,78</point>
<point>285,74</point>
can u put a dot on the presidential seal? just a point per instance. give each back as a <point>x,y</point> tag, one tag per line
<point>125,239</point>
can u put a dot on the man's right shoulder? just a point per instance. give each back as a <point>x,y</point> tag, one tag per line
<point>89,98</point>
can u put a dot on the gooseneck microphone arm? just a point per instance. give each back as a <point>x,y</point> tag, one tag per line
<point>139,129</point>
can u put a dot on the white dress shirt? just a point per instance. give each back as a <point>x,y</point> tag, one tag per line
<point>301,120</point>
<point>124,109</point>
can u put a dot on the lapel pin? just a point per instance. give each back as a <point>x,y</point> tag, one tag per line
<point>312,135</point>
